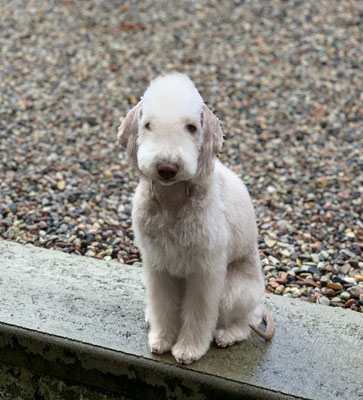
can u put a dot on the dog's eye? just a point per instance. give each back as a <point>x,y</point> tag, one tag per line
<point>191,128</point>
<point>147,126</point>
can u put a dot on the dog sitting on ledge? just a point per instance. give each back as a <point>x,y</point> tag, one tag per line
<point>194,223</point>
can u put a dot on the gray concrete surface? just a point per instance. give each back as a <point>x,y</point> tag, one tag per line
<point>82,319</point>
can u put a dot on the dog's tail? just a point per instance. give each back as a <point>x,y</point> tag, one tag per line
<point>270,325</point>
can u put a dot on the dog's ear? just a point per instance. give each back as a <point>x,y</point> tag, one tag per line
<point>212,142</point>
<point>129,125</point>
<point>127,132</point>
<point>212,132</point>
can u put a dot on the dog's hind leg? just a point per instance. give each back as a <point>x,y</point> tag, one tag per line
<point>240,303</point>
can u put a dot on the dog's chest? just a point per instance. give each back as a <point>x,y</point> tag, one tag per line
<point>173,229</point>
<point>180,243</point>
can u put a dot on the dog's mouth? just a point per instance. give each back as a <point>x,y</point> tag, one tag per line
<point>168,182</point>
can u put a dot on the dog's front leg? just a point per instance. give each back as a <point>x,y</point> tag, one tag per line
<point>199,316</point>
<point>163,302</point>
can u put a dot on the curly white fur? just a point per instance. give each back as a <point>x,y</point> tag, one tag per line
<point>196,231</point>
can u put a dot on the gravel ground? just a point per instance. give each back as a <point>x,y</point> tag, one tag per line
<point>284,78</point>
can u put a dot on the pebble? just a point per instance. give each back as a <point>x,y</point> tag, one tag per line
<point>282,278</point>
<point>356,291</point>
<point>270,243</point>
<point>345,295</point>
<point>345,268</point>
<point>335,285</point>
<point>324,300</point>
<point>335,301</point>
<point>324,279</point>
<point>290,113</point>
<point>279,289</point>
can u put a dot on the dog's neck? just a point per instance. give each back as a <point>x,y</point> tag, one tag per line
<point>174,197</point>
<point>171,197</point>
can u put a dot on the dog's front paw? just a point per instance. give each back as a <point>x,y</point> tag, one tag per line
<point>159,344</point>
<point>186,354</point>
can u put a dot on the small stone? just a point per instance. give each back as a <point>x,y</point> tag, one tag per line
<point>116,242</point>
<point>61,185</point>
<point>286,291</point>
<point>282,278</point>
<point>345,268</point>
<point>315,258</point>
<point>274,285</point>
<point>316,277</point>
<point>335,300</point>
<point>273,260</point>
<point>329,268</point>
<point>285,253</point>
<point>335,285</point>
<point>358,278</point>
<point>324,279</point>
<point>348,280</point>
<point>348,254</point>
<point>324,301</point>
<point>63,228</point>
<point>327,291</point>
<point>355,291</point>
<point>324,254</point>
<point>270,243</point>
<point>345,295</point>
<point>279,289</point>
<point>310,282</point>
<point>306,275</point>
<point>349,303</point>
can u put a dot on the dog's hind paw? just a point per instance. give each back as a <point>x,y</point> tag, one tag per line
<point>230,336</point>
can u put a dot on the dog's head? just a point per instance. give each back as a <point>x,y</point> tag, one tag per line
<point>171,135</point>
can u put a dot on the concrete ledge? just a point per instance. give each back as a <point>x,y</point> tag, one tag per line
<point>81,320</point>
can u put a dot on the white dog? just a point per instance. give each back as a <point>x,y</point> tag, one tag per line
<point>194,223</point>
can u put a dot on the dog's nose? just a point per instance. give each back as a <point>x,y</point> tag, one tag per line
<point>167,170</point>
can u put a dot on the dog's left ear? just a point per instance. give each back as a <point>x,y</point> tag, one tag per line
<point>212,132</point>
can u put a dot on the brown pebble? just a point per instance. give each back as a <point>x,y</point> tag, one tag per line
<point>358,278</point>
<point>349,303</point>
<point>329,268</point>
<point>310,282</point>
<point>62,245</point>
<point>327,292</point>
<point>33,228</point>
<point>274,285</point>
<point>315,245</point>
<point>282,278</point>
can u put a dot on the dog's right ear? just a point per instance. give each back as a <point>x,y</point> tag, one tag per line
<point>127,132</point>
